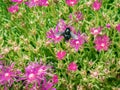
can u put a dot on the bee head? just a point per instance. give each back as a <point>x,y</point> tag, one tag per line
<point>67,31</point>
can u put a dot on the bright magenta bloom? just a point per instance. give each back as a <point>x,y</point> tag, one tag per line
<point>96,5</point>
<point>35,75</point>
<point>61,55</point>
<point>77,16</point>
<point>60,27</point>
<point>55,79</point>
<point>13,9</point>
<point>108,25</point>
<point>118,27</point>
<point>8,75</point>
<point>77,43</point>
<point>17,1</point>
<point>32,3</point>
<point>102,43</point>
<point>72,66</point>
<point>52,35</point>
<point>71,2</point>
<point>96,31</point>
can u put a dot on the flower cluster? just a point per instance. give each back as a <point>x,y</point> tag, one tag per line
<point>102,42</point>
<point>71,2</point>
<point>96,31</point>
<point>32,3</point>
<point>96,5</point>
<point>54,36</point>
<point>8,75</point>
<point>35,74</point>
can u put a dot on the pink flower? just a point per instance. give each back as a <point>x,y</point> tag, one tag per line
<point>118,27</point>
<point>60,27</point>
<point>61,55</point>
<point>96,5</point>
<point>32,3</point>
<point>79,16</point>
<point>52,34</point>
<point>8,76</point>
<point>55,79</point>
<point>72,66</point>
<point>77,43</point>
<point>96,31</point>
<point>17,1</point>
<point>102,43</point>
<point>108,25</point>
<point>13,9</point>
<point>35,74</point>
<point>71,2</point>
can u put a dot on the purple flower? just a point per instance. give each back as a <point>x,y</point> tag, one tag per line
<point>61,54</point>
<point>108,25</point>
<point>72,66</point>
<point>47,85</point>
<point>52,35</point>
<point>71,2</point>
<point>96,5</point>
<point>61,27</point>
<point>102,43</point>
<point>118,27</point>
<point>35,74</point>
<point>55,79</point>
<point>32,3</point>
<point>96,31</point>
<point>76,43</point>
<point>13,9</point>
<point>17,1</point>
<point>8,76</point>
<point>77,16</point>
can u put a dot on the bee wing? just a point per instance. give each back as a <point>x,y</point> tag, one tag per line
<point>74,36</point>
<point>59,33</point>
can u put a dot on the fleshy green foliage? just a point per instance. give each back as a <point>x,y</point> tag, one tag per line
<point>23,39</point>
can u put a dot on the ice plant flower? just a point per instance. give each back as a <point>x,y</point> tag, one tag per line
<point>96,31</point>
<point>47,85</point>
<point>77,43</point>
<point>17,1</point>
<point>55,79</point>
<point>71,2</point>
<point>35,74</point>
<point>78,16</point>
<point>118,27</point>
<point>96,5</point>
<point>52,34</point>
<point>102,43</point>
<point>108,25</point>
<point>8,76</point>
<point>72,66</point>
<point>61,54</point>
<point>13,9</point>
<point>32,3</point>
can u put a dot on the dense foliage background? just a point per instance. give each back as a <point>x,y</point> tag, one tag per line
<point>23,40</point>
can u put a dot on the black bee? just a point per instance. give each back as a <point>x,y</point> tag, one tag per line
<point>67,34</point>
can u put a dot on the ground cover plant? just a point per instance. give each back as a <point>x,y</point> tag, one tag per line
<point>59,44</point>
